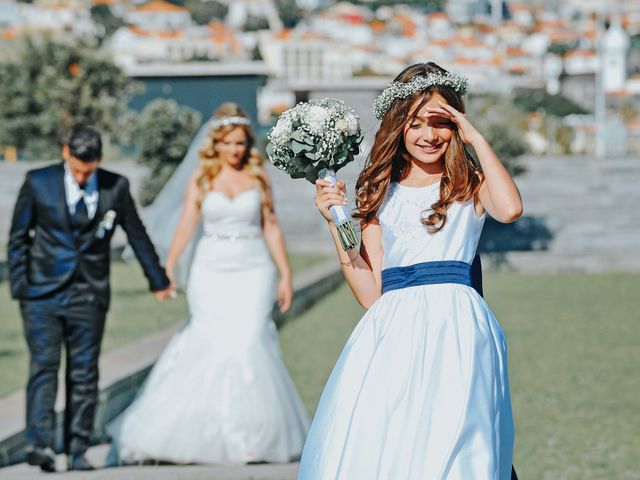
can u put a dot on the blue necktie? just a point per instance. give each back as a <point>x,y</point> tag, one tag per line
<point>81,216</point>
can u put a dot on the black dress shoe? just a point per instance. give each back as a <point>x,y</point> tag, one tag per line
<point>42,457</point>
<point>77,461</point>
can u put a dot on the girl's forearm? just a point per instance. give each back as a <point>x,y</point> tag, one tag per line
<point>502,190</point>
<point>357,272</point>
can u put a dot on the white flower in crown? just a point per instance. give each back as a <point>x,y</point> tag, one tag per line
<point>401,90</point>
<point>106,223</point>
<point>226,121</point>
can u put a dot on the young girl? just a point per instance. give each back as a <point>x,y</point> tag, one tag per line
<point>420,391</point>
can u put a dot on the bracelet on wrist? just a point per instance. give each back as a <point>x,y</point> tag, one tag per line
<point>351,263</point>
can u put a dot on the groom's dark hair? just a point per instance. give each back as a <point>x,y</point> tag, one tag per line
<point>85,143</point>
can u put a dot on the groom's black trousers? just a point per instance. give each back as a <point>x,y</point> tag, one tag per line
<point>75,318</point>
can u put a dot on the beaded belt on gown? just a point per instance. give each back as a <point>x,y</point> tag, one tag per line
<point>232,235</point>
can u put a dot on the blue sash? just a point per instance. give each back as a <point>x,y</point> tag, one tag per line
<point>426,273</point>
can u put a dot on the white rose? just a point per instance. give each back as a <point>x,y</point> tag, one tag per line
<point>342,125</point>
<point>283,128</point>
<point>352,123</point>
<point>316,117</point>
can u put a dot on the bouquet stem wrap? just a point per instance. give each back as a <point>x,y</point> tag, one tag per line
<point>341,215</point>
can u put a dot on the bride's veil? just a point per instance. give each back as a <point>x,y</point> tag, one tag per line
<point>162,216</point>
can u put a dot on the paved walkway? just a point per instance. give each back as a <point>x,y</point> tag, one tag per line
<point>163,472</point>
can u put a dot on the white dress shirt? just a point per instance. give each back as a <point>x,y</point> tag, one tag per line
<point>74,193</point>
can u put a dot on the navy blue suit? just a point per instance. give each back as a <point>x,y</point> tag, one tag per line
<point>59,270</point>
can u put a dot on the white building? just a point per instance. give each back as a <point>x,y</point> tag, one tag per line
<point>58,18</point>
<point>132,45</point>
<point>615,46</point>
<point>439,26</point>
<point>580,62</point>
<point>315,60</point>
<point>159,15</point>
<point>462,11</point>
<point>9,14</point>
<point>241,10</point>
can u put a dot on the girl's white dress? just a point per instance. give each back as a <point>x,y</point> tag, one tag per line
<point>220,393</point>
<point>421,390</point>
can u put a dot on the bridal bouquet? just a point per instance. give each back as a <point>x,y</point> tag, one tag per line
<point>313,140</point>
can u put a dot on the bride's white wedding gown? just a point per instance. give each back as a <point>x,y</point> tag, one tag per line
<point>220,393</point>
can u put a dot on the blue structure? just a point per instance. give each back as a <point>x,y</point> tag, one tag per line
<point>202,86</point>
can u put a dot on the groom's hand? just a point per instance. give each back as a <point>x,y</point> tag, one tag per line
<point>162,295</point>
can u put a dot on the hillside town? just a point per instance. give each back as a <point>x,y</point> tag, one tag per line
<point>501,46</point>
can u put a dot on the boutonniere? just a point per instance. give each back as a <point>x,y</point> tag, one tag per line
<point>106,223</point>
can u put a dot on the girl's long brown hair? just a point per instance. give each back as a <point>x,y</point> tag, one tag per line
<point>210,164</point>
<point>388,159</point>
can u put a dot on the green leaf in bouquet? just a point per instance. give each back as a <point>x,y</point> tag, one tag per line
<point>340,157</point>
<point>311,155</point>
<point>311,175</point>
<point>303,137</point>
<point>298,147</point>
<point>269,149</point>
<point>299,162</point>
<point>298,135</point>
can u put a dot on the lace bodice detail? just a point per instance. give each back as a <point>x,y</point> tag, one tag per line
<point>406,241</point>
<point>240,215</point>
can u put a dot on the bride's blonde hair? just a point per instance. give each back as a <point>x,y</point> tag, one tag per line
<point>210,164</point>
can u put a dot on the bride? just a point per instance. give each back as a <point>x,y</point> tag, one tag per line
<point>220,393</point>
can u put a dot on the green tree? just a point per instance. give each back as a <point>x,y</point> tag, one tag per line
<point>289,12</point>
<point>561,49</point>
<point>503,126</point>
<point>255,24</point>
<point>540,100</point>
<point>102,15</point>
<point>162,133</point>
<point>47,87</point>
<point>424,5</point>
<point>206,12</point>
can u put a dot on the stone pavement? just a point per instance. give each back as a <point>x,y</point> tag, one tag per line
<point>589,207</point>
<point>164,472</point>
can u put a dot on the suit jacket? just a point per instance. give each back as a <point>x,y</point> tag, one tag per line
<point>45,254</point>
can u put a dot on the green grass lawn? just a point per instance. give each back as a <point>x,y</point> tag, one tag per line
<point>574,358</point>
<point>134,313</point>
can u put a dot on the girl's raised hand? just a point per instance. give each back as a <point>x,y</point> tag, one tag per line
<point>468,133</point>
<point>327,195</point>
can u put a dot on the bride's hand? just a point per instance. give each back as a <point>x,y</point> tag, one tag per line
<point>285,294</point>
<point>172,284</point>
<point>168,270</point>
<point>327,195</point>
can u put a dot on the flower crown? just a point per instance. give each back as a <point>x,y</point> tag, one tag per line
<point>226,121</point>
<point>398,90</point>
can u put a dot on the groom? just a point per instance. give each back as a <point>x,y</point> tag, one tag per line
<point>58,256</point>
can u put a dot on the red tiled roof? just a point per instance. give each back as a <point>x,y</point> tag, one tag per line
<point>160,6</point>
